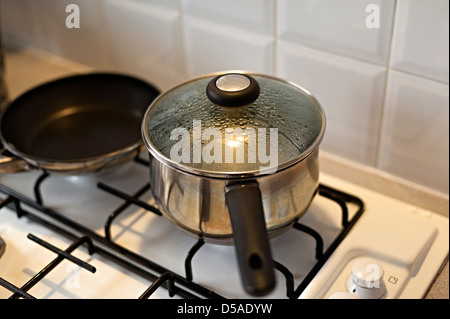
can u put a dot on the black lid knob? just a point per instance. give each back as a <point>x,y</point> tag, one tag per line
<point>233,89</point>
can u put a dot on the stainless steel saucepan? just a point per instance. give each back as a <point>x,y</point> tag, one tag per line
<point>234,159</point>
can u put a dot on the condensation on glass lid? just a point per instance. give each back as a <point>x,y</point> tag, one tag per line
<point>283,123</point>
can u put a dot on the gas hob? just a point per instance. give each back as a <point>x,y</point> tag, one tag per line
<point>102,236</point>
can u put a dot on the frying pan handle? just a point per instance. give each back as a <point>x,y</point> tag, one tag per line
<point>11,164</point>
<point>251,239</point>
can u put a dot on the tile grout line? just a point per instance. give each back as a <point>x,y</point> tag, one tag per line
<point>424,77</point>
<point>112,61</point>
<point>275,39</point>
<point>183,40</point>
<point>329,51</point>
<point>381,121</point>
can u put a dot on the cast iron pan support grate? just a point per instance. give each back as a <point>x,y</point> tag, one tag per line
<point>62,255</point>
<point>342,199</point>
<point>93,248</point>
<point>37,186</point>
<point>183,286</point>
<point>113,251</point>
<point>166,277</point>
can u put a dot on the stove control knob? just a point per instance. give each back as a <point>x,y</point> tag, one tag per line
<point>366,279</point>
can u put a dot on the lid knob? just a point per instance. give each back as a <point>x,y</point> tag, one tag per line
<point>233,89</point>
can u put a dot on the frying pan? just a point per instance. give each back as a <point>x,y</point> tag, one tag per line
<point>77,124</point>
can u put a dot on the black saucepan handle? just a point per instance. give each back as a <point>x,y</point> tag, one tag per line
<point>251,238</point>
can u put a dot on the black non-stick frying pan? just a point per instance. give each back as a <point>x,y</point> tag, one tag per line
<point>77,124</point>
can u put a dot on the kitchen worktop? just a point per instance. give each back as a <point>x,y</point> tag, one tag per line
<point>25,69</point>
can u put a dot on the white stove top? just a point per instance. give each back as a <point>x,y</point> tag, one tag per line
<point>410,243</point>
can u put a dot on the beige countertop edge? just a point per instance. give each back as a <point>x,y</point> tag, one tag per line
<point>384,183</point>
<point>440,287</point>
<point>27,68</point>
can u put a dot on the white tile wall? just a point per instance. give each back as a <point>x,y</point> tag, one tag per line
<point>146,41</point>
<point>384,90</point>
<point>421,43</point>
<point>86,45</point>
<point>415,136</point>
<point>20,26</point>
<point>254,15</point>
<point>338,26</point>
<point>350,92</point>
<point>212,47</point>
<point>165,3</point>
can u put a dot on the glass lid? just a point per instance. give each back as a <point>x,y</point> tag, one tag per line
<point>233,124</point>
